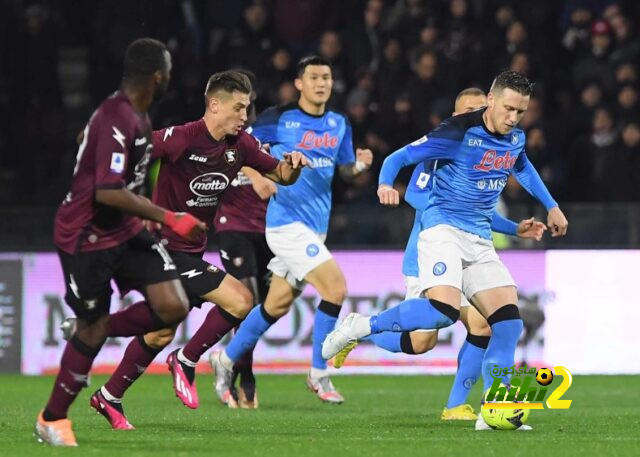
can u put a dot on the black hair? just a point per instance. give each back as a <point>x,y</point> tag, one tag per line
<point>144,57</point>
<point>311,60</point>
<point>513,80</point>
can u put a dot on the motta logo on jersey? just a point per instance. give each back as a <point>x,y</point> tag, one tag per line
<point>310,140</point>
<point>492,161</point>
<point>209,184</point>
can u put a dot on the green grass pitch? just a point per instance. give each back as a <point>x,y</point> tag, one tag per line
<point>382,416</point>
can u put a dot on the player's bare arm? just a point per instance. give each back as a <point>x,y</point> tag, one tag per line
<point>531,229</point>
<point>183,224</point>
<point>364,159</point>
<point>288,169</point>
<point>262,186</point>
<point>557,222</point>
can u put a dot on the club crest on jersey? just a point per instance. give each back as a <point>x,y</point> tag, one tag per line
<point>439,268</point>
<point>492,161</point>
<point>514,138</point>
<point>238,261</point>
<point>313,250</point>
<point>312,141</point>
<point>230,156</point>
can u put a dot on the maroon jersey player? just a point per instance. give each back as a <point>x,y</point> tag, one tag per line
<point>199,161</point>
<point>100,237</point>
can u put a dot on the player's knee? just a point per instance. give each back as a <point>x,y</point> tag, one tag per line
<point>160,338</point>
<point>423,341</point>
<point>336,293</point>
<point>93,333</point>
<point>446,309</point>
<point>172,310</point>
<point>510,315</point>
<point>242,303</point>
<point>480,329</point>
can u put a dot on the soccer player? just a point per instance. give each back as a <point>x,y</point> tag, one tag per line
<point>297,222</point>
<point>100,236</point>
<point>478,331</point>
<point>199,160</point>
<point>240,225</point>
<point>479,151</point>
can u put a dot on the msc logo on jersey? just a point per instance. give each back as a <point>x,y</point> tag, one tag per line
<point>439,268</point>
<point>514,138</point>
<point>312,250</point>
<point>491,184</point>
<point>492,161</point>
<point>230,156</point>
<point>312,141</point>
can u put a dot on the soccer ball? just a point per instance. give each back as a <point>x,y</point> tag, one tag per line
<point>544,376</point>
<point>503,419</point>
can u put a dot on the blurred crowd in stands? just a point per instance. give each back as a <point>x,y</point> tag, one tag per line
<point>397,66</point>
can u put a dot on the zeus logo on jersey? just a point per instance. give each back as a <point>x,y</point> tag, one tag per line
<point>312,141</point>
<point>492,161</point>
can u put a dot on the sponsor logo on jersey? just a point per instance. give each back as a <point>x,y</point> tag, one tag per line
<point>492,161</point>
<point>117,162</point>
<point>209,184</point>
<point>140,141</point>
<point>197,158</point>
<point>230,156</point>
<point>419,141</point>
<point>168,133</point>
<point>292,125</point>
<point>332,122</point>
<point>321,162</point>
<point>514,138</point>
<point>475,142</point>
<point>312,141</point>
<point>492,184</point>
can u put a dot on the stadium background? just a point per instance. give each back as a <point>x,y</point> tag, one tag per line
<point>397,67</point>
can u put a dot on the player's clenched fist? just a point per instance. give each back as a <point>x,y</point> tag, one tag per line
<point>295,159</point>
<point>556,222</point>
<point>364,157</point>
<point>388,195</point>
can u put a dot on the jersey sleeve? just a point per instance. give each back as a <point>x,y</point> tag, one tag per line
<point>442,143</point>
<point>417,193</point>
<point>112,142</point>
<point>501,224</point>
<point>345,152</point>
<point>265,127</point>
<point>256,157</point>
<point>169,143</point>
<point>528,177</point>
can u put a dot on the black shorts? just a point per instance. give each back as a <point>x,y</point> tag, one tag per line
<point>198,276</point>
<point>135,264</point>
<point>246,255</point>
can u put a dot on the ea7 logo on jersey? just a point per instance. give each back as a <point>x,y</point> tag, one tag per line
<point>230,156</point>
<point>292,125</point>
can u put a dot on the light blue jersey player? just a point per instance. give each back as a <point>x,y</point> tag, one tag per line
<point>298,218</point>
<point>477,152</point>
<point>420,341</point>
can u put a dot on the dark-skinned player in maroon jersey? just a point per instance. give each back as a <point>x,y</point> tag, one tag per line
<point>100,236</point>
<point>199,161</point>
<point>239,227</point>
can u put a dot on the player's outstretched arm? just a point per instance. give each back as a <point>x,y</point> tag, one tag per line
<point>289,168</point>
<point>262,186</point>
<point>528,177</point>
<point>364,159</point>
<point>183,224</point>
<point>527,228</point>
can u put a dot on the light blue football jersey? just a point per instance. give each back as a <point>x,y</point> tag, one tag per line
<point>326,141</point>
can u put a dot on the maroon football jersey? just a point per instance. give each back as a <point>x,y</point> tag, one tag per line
<point>114,153</point>
<point>241,209</point>
<point>197,169</point>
